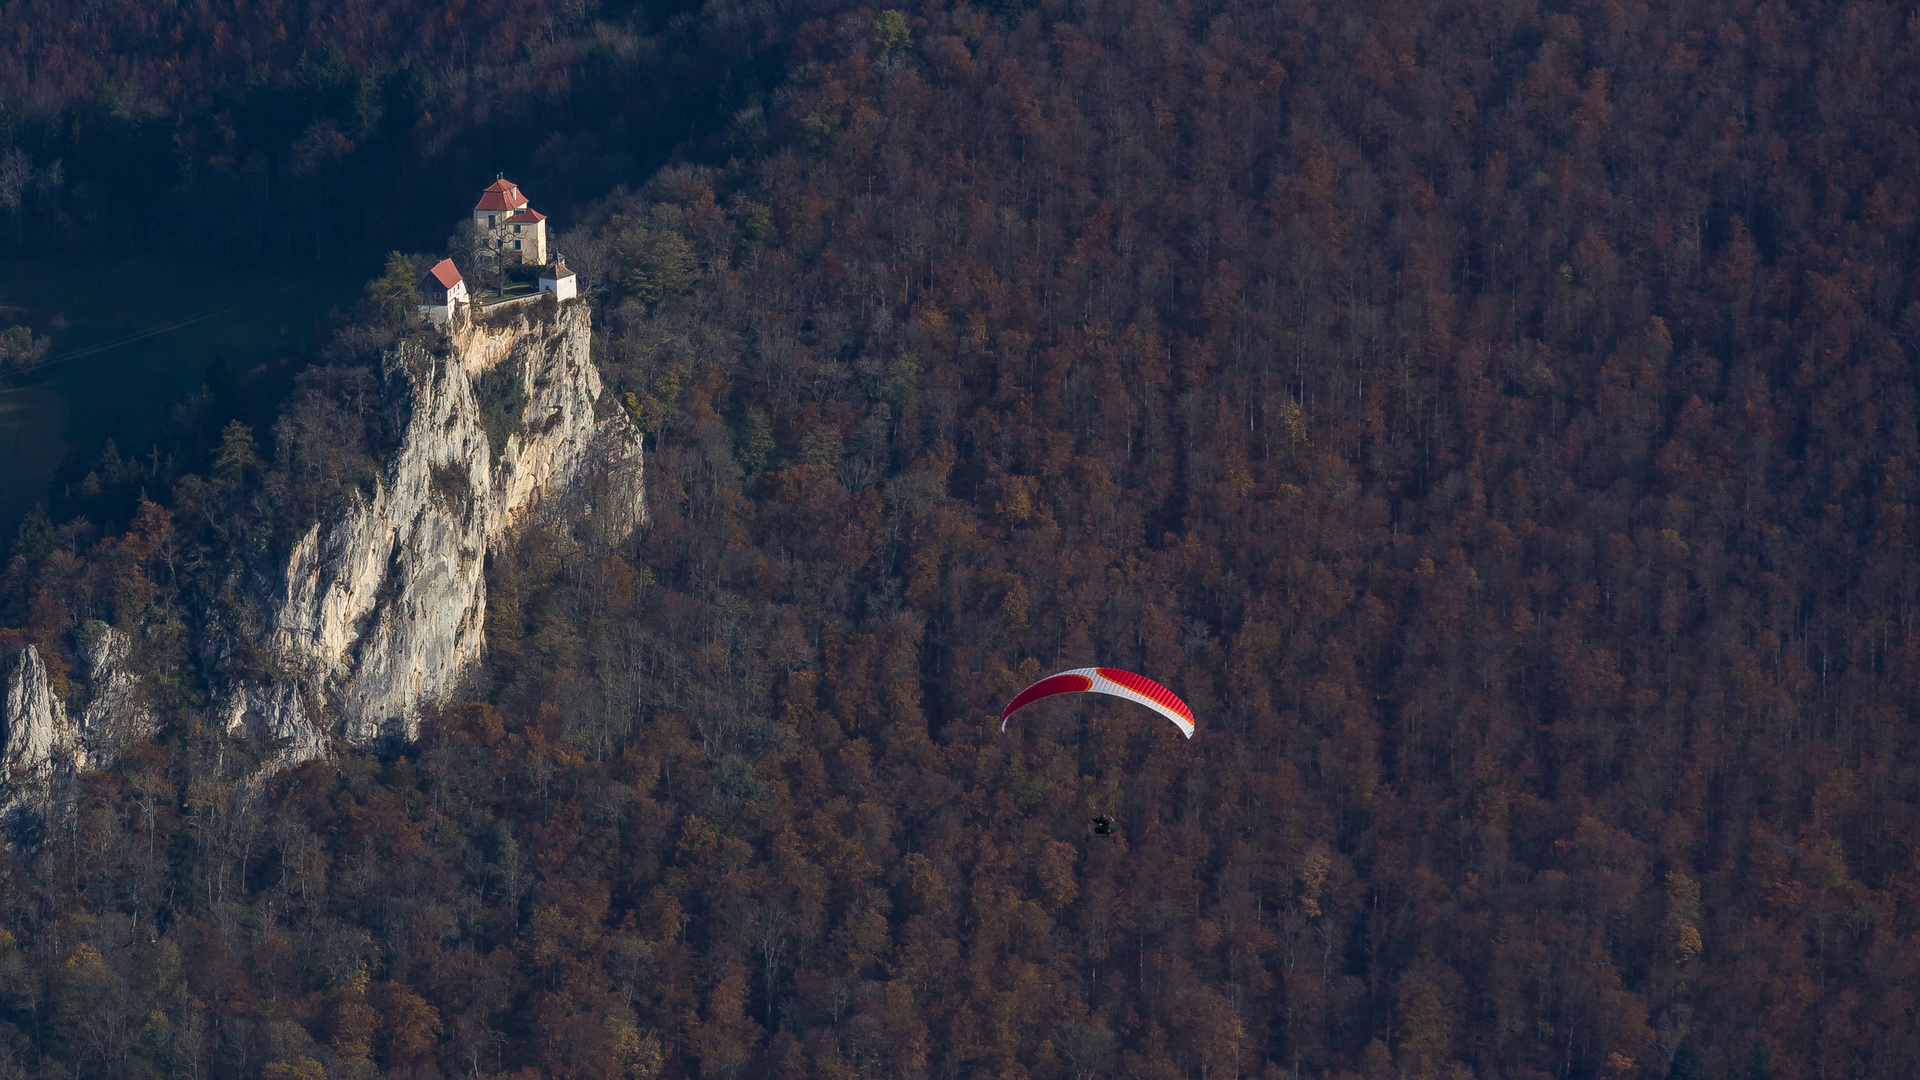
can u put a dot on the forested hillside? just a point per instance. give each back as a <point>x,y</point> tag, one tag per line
<point>1497,422</point>
<point>303,130</point>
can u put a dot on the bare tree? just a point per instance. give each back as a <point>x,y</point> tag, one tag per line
<point>471,247</point>
<point>769,929</point>
<point>589,257</point>
<point>16,172</point>
<point>1088,1049</point>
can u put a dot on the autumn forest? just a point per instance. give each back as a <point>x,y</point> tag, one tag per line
<point>1497,421</point>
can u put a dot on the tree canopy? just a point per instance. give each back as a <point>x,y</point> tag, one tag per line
<point>1496,421</point>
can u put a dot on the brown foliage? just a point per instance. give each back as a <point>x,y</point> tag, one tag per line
<point>1499,427</point>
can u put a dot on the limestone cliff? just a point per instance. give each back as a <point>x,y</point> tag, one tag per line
<point>116,715</point>
<point>38,734</point>
<point>384,605</point>
<point>43,742</point>
<point>277,714</point>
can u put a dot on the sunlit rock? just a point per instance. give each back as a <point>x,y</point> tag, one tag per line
<point>116,715</point>
<point>383,609</point>
<point>277,715</point>
<point>38,734</point>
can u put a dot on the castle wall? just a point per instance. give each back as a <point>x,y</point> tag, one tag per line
<point>531,239</point>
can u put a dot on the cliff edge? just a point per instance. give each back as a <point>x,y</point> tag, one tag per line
<point>383,607</point>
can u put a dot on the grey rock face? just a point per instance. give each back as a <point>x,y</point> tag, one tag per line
<point>38,734</point>
<point>278,714</point>
<point>116,716</point>
<point>384,607</point>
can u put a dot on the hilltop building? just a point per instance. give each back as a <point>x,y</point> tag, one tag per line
<point>515,234</point>
<point>559,280</point>
<point>445,291</point>
<point>517,231</point>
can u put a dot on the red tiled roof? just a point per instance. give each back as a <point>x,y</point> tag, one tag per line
<point>502,194</point>
<point>444,273</point>
<point>526,217</point>
<point>557,271</point>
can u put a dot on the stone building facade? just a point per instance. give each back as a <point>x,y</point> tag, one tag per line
<point>517,231</point>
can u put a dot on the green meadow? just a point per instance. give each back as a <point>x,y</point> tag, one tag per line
<point>130,340</point>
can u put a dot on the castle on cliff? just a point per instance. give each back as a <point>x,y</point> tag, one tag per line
<point>513,234</point>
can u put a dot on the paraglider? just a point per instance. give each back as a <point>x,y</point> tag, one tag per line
<point>1106,680</point>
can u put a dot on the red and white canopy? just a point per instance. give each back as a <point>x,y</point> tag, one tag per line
<point>1106,680</point>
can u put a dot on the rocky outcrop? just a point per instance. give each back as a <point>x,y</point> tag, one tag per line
<point>277,715</point>
<point>116,715</point>
<point>44,745</point>
<point>38,735</point>
<point>383,610</point>
<point>383,606</point>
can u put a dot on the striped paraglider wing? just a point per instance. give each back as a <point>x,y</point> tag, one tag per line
<point>1104,680</point>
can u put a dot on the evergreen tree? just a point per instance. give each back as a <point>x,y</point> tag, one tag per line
<point>1686,1064</point>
